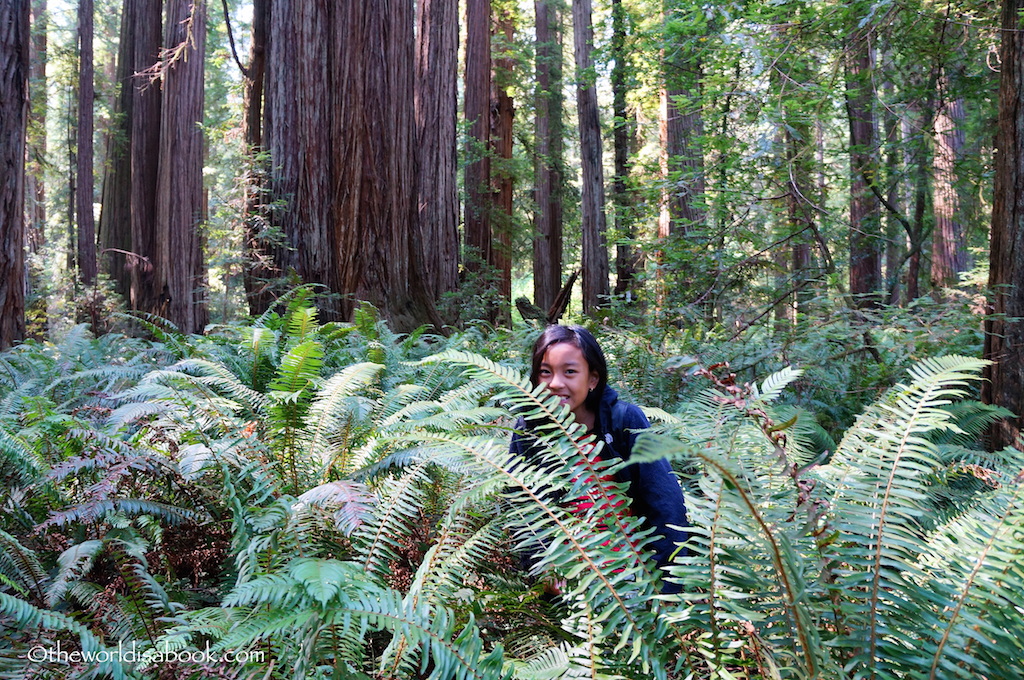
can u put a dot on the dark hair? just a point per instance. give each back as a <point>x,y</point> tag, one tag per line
<point>576,336</point>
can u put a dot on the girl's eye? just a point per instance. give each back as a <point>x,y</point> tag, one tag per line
<point>570,372</point>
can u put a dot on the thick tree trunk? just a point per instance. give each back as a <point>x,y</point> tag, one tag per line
<point>146,18</point>
<point>1004,330</point>
<point>35,185</point>
<point>949,254</point>
<point>595,249</point>
<point>477,222</point>
<point>437,52</point>
<point>297,134</point>
<point>373,130</point>
<point>547,242</point>
<point>180,205</point>
<point>14,74</point>
<point>85,186</point>
<point>865,241</point>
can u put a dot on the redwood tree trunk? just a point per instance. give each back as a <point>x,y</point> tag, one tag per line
<point>373,131</point>
<point>595,249</point>
<point>14,73</point>
<point>180,205</point>
<point>35,185</point>
<point>437,52</point>
<point>949,254</point>
<point>115,233</point>
<point>477,221</point>
<point>547,242</point>
<point>259,273</point>
<point>625,255</point>
<point>85,186</point>
<point>1004,330</point>
<point>865,241</point>
<point>502,115</point>
<point>146,20</point>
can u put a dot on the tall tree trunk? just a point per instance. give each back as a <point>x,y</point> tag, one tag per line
<point>180,208</point>
<point>437,51</point>
<point>595,249</point>
<point>502,115</point>
<point>146,18</point>
<point>14,74</point>
<point>85,187</point>
<point>297,134</point>
<point>115,232</point>
<point>680,126</point>
<point>477,222</point>
<point>1004,328</point>
<point>894,235</point>
<point>374,139</point>
<point>865,241</point>
<point>35,181</point>
<point>547,242</point>
<point>259,273</point>
<point>949,253</point>
<point>625,254</point>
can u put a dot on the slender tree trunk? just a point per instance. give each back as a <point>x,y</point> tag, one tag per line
<point>625,254</point>
<point>180,208</point>
<point>85,186</point>
<point>502,115</point>
<point>1004,329</point>
<point>35,181</point>
<point>477,222</point>
<point>680,126</point>
<point>865,241</point>
<point>547,242</point>
<point>146,20</point>
<point>260,271</point>
<point>115,232</point>
<point>949,254</point>
<point>894,234</point>
<point>437,49</point>
<point>14,75</point>
<point>595,249</point>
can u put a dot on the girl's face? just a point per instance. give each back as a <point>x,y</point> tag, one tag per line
<point>568,375</point>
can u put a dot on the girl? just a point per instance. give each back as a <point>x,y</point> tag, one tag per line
<point>570,362</point>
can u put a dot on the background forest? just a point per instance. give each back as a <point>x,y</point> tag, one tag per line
<point>270,272</point>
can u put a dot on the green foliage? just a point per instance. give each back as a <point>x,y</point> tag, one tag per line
<point>334,500</point>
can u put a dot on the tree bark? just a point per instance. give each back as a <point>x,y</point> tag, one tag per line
<point>949,253</point>
<point>625,254</point>
<point>85,186</point>
<point>595,249</point>
<point>477,222</point>
<point>14,75</point>
<point>547,241</point>
<point>260,271</point>
<point>1004,330</point>
<point>146,21</point>
<point>35,184</point>
<point>437,51</point>
<point>115,232</point>
<point>865,241</point>
<point>502,115</point>
<point>179,270</point>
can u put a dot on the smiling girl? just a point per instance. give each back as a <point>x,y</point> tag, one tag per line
<point>570,362</point>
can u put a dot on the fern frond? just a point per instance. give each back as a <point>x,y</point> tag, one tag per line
<point>22,566</point>
<point>73,564</point>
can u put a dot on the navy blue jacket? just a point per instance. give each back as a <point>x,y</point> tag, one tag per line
<point>653,489</point>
